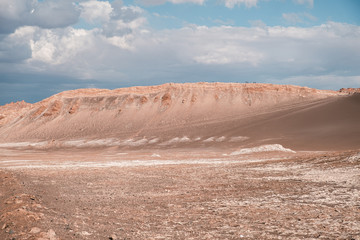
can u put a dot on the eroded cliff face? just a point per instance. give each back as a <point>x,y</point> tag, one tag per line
<point>350,91</point>
<point>13,110</point>
<point>137,111</point>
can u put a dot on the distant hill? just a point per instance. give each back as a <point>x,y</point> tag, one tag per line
<point>190,115</point>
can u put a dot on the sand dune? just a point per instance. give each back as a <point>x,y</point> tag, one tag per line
<point>224,115</point>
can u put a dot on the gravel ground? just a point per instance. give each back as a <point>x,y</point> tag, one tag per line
<point>206,195</point>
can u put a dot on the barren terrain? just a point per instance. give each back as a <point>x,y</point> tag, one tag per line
<point>182,161</point>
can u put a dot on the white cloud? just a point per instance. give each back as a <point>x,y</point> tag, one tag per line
<point>120,27</point>
<point>214,53</point>
<point>93,11</point>
<point>13,9</point>
<point>56,47</point>
<point>122,48</point>
<point>45,14</point>
<point>123,42</point>
<point>127,13</point>
<point>229,55</point>
<point>54,14</point>
<point>124,20</point>
<point>247,3</point>
<point>15,47</point>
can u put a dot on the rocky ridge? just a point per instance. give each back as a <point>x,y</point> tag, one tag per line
<point>174,110</point>
<point>162,96</point>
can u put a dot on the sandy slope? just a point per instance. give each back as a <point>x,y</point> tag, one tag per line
<point>221,115</point>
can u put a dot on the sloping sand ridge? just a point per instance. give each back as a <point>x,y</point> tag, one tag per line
<point>190,115</point>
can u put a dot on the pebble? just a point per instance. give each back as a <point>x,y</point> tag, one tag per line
<point>51,233</point>
<point>113,237</point>
<point>35,230</point>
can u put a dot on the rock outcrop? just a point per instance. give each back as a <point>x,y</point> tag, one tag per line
<point>350,91</point>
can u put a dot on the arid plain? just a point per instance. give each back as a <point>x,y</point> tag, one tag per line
<point>182,161</point>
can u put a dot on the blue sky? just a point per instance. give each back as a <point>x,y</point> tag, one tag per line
<point>50,46</point>
<point>214,13</point>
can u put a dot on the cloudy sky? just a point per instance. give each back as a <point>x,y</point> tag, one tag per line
<point>48,46</point>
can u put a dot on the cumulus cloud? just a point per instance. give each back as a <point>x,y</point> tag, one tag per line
<point>247,3</point>
<point>292,50</point>
<point>15,47</point>
<point>229,55</point>
<point>214,51</point>
<point>124,49</point>
<point>127,13</point>
<point>94,11</point>
<point>45,14</point>
<point>78,53</point>
<point>123,20</point>
<point>114,19</point>
<point>55,47</point>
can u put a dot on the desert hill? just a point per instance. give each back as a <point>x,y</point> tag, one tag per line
<point>188,115</point>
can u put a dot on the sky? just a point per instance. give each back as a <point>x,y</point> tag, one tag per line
<point>49,46</point>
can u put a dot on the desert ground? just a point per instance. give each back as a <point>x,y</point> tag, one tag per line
<point>182,161</point>
<point>107,195</point>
